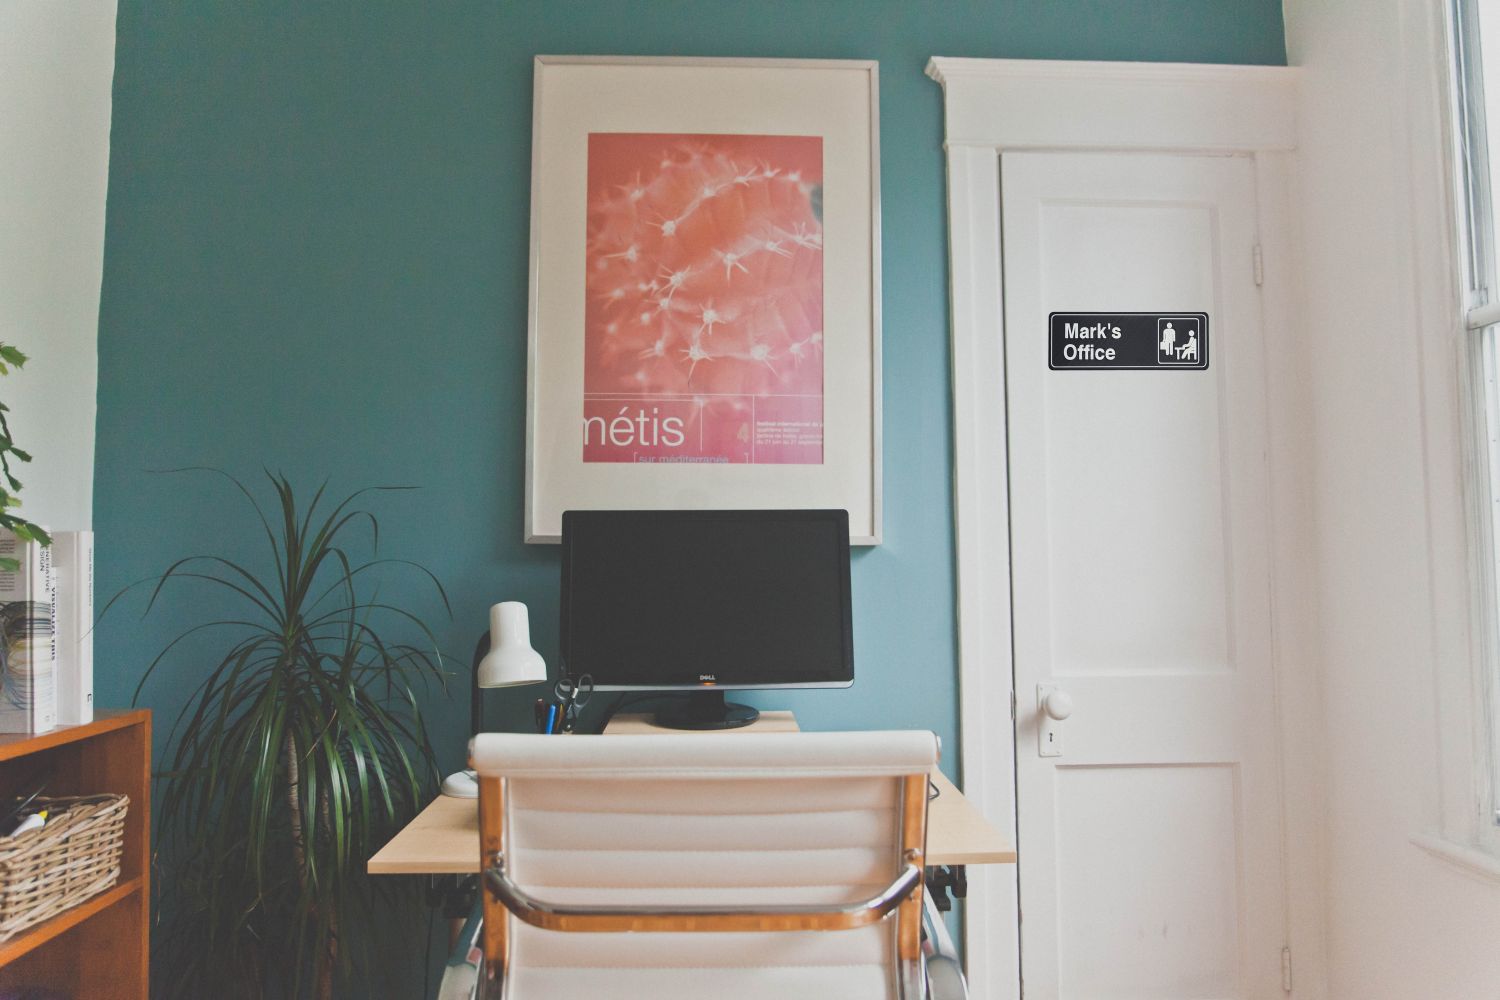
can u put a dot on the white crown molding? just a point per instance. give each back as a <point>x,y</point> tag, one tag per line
<point>1045,103</point>
<point>946,68</point>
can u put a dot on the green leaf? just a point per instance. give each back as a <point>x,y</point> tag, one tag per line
<point>13,355</point>
<point>300,748</point>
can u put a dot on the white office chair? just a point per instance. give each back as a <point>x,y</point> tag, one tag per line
<point>731,866</point>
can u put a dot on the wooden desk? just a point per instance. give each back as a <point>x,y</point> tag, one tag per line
<point>444,838</point>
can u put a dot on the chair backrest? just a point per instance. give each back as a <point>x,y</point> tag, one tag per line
<point>757,820</point>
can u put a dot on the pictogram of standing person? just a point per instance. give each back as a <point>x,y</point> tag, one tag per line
<point>1168,340</point>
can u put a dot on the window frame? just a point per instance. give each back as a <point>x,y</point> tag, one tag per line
<point>1479,399</point>
<point>1483,408</point>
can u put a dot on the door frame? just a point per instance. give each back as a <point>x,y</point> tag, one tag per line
<point>991,106</point>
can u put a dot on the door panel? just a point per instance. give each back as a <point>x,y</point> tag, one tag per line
<point>1150,853</point>
<point>1165,936</point>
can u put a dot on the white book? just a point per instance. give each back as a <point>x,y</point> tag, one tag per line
<point>73,555</point>
<point>28,638</point>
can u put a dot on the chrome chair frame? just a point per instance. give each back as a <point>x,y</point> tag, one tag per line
<point>604,919</point>
<point>941,969</point>
<point>501,898</point>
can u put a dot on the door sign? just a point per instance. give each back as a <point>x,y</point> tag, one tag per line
<point>1132,341</point>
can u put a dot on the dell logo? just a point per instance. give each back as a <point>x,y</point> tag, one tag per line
<point>707,677</point>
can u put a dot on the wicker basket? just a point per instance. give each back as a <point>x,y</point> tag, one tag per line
<point>75,856</point>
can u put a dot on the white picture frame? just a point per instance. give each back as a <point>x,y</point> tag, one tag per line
<point>837,101</point>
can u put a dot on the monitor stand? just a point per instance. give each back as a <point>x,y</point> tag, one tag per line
<point>705,710</point>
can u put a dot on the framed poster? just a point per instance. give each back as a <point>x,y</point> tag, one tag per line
<point>705,288</point>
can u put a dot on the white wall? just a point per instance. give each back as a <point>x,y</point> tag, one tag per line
<point>1381,343</point>
<point>56,67</point>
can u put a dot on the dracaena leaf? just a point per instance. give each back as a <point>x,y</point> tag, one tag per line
<point>301,748</point>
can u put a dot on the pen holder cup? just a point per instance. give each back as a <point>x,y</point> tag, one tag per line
<point>54,867</point>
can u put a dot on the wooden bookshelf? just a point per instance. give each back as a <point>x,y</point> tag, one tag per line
<point>99,948</point>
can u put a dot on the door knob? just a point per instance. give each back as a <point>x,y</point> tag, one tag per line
<point>1054,705</point>
<point>1057,704</point>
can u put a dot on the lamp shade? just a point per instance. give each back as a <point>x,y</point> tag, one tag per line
<point>511,660</point>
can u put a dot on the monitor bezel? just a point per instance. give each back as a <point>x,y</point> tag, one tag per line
<point>841,524</point>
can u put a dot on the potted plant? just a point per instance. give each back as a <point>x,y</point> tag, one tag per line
<point>301,750</point>
<point>11,357</point>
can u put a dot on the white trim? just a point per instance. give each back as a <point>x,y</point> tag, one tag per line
<point>1454,357</point>
<point>944,69</point>
<point>1468,702</point>
<point>1034,103</point>
<point>1483,316</point>
<point>982,543</point>
<point>1467,860</point>
<point>871,69</point>
<point>1294,584</point>
<point>877,348</point>
<point>1464,698</point>
<point>991,106</point>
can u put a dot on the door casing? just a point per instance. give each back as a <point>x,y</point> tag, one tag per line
<point>995,105</point>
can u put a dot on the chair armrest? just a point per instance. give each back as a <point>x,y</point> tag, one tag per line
<point>565,917</point>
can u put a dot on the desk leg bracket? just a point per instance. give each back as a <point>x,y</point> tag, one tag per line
<point>943,879</point>
<point>453,894</point>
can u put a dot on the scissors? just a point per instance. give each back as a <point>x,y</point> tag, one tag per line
<point>573,694</point>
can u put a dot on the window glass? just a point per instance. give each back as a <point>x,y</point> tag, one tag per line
<point>1485,23</point>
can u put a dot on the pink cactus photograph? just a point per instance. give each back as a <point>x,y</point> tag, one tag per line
<point>703,329</point>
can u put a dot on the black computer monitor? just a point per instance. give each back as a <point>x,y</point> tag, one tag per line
<point>705,601</point>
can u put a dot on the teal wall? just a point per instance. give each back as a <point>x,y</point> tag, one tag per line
<point>315,262</point>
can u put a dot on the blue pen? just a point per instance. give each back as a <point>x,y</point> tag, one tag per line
<point>551,720</point>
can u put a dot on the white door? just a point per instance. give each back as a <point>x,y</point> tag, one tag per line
<point>1150,845</point>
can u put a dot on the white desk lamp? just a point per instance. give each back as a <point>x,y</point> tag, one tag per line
<point>509,662</point>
